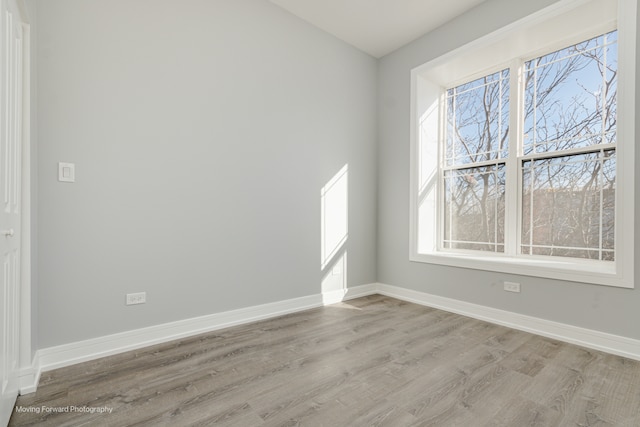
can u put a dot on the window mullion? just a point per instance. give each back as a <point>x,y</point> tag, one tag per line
<point>512,181</point>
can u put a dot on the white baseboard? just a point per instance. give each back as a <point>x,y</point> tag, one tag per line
<point>589,338</point>
<point>334,297</point>
<point>30,377</point>
<point>68,354</point>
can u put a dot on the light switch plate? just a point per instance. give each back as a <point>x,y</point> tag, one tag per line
<point>66,172</point>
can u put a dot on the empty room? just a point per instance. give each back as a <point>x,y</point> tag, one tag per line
<point>319,213</point>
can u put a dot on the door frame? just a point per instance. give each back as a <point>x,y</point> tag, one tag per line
<point>23,324</point>
<point>26,361</point>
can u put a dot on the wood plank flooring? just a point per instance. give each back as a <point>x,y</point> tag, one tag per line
<point>372,361</point>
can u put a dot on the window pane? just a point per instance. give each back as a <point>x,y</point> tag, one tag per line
<point>570,96</point>
<point>568,206</point>
<point>611,86</point>
<point>474,208</point>
<point>478,120</point>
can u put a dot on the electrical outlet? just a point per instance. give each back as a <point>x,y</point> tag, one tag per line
<point>511,287</point>
<point>137,298</point>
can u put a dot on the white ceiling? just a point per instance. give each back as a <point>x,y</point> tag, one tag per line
<point>377,26</point>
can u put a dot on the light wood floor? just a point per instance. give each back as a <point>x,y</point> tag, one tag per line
<point>366,362</point>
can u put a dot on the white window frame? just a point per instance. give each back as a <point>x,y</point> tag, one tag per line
<point>541,33</point>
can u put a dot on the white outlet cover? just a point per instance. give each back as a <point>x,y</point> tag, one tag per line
<point>137,298</point>
<point>512,287</point>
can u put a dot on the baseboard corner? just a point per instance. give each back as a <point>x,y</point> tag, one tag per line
<point>30,376</point>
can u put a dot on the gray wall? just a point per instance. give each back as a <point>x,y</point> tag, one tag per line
<point>606,309</point>
<point>202,132</point>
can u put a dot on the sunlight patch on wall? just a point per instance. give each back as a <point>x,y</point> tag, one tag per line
<point>334,198</point>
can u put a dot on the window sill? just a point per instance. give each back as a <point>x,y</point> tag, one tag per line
<point>560,269</point>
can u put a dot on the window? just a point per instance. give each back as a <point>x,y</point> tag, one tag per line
<point>474,172</point>
<point>569,143</point>
<point>521,153</point>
